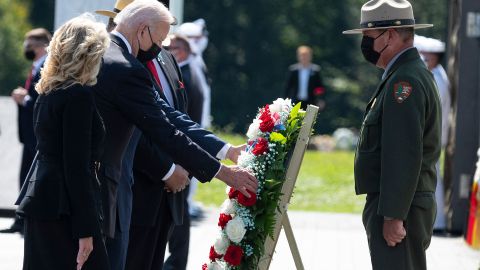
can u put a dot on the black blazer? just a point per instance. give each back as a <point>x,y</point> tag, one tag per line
<point>25,115</point>
<point>316,88</point>
<point>126,98</point>
<point>62,181</point>
<point>194,93</point>
<point>151,163</point>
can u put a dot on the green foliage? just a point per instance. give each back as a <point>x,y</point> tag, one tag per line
<point>13,26</point>
<point>252,43</point>
<point>325,183</point>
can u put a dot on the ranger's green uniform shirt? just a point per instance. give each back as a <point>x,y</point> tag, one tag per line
<point>400,138</point>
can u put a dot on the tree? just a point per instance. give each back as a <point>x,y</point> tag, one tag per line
<point>42,13</point>
<point>13,26</point>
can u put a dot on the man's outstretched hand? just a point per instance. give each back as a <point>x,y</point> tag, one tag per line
<point>234,152</point>
<point>238,178</point>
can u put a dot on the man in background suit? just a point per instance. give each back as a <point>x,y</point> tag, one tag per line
<point>125,98</point>
<point>178,243</point>
<point>180,48</point>
<point>35,44</point>
<point>305,82</point>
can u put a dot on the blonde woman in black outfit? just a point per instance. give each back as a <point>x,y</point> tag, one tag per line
<point>60,202</point>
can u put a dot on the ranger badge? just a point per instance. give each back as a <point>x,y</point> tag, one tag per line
<point>401,91</point>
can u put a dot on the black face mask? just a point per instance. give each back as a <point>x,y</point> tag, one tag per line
<point>29,54</point>
<point>368,52</point>
<point>152,53</point>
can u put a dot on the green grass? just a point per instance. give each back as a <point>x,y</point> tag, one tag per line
<point>325,183</point>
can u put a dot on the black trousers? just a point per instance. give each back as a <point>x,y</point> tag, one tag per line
<point>49,245</point>
<point>147,244</point>
<point>410,253</point>
<point>179,243</point>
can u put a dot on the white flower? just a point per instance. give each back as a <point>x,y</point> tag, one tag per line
<point>228,207</point>
<point>221,244</point>
<point>215,266</point>
<point>281,105</point>
<point>254,129</point>
<point>245,159</point>
<point>235,229</point>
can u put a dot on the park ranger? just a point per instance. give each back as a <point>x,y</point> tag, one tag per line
<point>399,140</point>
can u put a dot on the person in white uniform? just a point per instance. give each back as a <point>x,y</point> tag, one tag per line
<point>432,52</point>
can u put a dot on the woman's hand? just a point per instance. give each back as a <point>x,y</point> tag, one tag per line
<point>85,247</point>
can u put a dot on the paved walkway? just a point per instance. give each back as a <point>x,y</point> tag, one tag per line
<point>326,241</point>
<point>10,151</point>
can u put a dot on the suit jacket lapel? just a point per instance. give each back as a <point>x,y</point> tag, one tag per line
<point>157,87</point>
<point>163,60</point>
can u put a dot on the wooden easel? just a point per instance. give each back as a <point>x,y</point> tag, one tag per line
<point>287,190</point>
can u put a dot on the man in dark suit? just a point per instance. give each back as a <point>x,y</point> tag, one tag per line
<point>156,211</point>
<point>305,82</point>
<point>126,98</point>
<point>178,242</point>
<point>35,44</point>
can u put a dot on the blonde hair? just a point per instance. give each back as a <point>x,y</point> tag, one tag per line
<point>74,55</point>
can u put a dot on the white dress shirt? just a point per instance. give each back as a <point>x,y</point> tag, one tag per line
<point>303,77</point>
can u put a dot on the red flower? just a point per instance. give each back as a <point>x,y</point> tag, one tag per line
<point>180,83</point>
<point>268,122</point>
<point>261,147</point>
<point>232,193</point>
<point>245,201</point>
<point>233,255</point>
<point>267,125</point>
<point>213,255</point>
<point>223,220</point>
<point>318,91</point>
<point>204,266</point>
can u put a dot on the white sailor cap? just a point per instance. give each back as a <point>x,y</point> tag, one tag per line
<point>429,45</point>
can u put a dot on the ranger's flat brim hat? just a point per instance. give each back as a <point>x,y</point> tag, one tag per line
<point>119,6</point>
<point>384,14</point>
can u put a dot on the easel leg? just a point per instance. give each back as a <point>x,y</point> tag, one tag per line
<point>291,242</point>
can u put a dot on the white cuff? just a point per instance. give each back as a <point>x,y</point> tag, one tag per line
<point>169,173</point>
<point>219,169</point>
<point>222,154</point>
<point>26,99</point>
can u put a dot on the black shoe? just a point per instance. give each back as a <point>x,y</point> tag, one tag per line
<point>440,232</point>
<point>11,230</point>
<point>17,226</point>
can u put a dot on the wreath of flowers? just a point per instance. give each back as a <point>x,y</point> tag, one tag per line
<point>246,222</point>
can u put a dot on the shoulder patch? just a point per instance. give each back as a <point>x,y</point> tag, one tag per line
<point>401,91</point>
